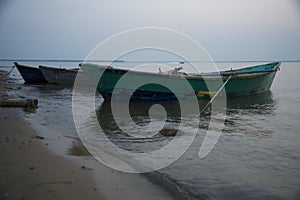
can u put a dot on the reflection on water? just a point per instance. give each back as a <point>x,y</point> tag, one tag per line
<point>244,118</point>
<point>262,104</point>
<point>245,115</point>
<point>138,140</point>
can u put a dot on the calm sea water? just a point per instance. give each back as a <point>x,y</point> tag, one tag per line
<point>256,157</point>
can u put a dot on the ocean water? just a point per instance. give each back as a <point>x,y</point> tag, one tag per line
<point>256,157</point>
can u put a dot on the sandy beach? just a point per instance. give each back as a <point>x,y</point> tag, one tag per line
<point>30,170</point>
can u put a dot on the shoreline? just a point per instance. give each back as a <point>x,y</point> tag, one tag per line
<point>30,170</point>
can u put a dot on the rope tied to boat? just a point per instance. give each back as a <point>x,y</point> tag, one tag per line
<point>3,76</point>
<point>215,96</point>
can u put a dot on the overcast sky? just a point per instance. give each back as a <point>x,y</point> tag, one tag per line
<point>228,29</point>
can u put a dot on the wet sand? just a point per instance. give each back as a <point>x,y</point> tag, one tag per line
<point>30,170</point>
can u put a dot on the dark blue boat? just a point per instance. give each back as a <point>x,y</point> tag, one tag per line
<point>31,75</point>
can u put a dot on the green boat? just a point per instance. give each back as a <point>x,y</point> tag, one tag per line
<point>239,82</point>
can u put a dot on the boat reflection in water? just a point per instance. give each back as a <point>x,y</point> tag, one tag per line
<point>263,103</point>
<point>248,116</point>
<point>242,114</point>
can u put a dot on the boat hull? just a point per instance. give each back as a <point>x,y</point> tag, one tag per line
<point>247,81</point>
<point>59,76</point>
<point>31,75</point>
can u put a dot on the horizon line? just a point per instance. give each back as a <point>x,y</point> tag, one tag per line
<point>179,61</point>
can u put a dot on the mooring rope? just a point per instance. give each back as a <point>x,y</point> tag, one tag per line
<point>214,97</point>
<point>12,68</point>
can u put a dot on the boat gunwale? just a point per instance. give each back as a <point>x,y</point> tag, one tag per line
<point>203,76</point>
<point>59,69</point>
<point>26,66</point>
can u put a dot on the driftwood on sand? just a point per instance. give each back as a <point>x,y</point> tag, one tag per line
<point>26,103</point>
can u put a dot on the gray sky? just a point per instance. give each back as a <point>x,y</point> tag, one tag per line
<point>228,29</point>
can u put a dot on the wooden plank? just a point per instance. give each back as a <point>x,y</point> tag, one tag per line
<point>31,103</point>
